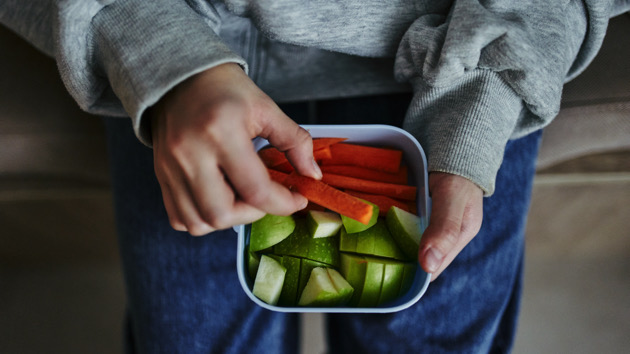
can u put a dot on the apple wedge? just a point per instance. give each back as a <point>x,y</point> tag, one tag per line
<point>353,226</point>
<point>325,287</point>
<point>323,223</point>
<point>406,229</point>
<point>319,290</point>
<point>270,230</point>
<point>269,280</point>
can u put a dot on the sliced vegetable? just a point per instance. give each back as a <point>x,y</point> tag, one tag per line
<point>383,202</point>
<point>329,197</point>
<point>277,175</point>
<point>399,177</point>
<point>388,189</point>
<point>365,156</point>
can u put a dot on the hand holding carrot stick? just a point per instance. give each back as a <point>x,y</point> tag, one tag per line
<point>211,177</point>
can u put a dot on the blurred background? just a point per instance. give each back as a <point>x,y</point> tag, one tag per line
<point>60,280</point>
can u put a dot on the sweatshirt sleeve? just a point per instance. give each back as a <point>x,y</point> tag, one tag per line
<point>486,73</point>
<point>118,57</point>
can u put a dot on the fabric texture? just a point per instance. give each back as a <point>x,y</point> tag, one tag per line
<point>112,56</point>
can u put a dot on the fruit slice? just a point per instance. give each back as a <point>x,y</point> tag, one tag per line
<point>352,225</point>
<point>353,269</point>
<point>376,241</point>
<point>253,261</point>
<point>269,280</point>
<point>270,230</point>
<point>406,229</point>
<point>301,244</point>
<point>344,289</point>
<point>323,223</point>
<point>319,290</point>
<point>306,266</point>
<point>392,278</point>
<point>289,294</point>
<point>372,284</point>
<point>409,275</point>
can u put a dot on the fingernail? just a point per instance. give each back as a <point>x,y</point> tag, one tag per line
<point>318,171</point>
<point>432,259</point>
<point>303,204</point>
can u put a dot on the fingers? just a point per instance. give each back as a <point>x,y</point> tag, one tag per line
<point>249,178</point>
<point>455,220</point>
<point>286,135</point>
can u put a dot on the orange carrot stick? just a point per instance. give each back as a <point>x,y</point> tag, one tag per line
<point>322,153</point>
<point>399,177</point>
<point>365,156</point>
<point>285,167</point>
<point>362,185</point>
<point>277,175</point>
<point>319,143</point>
<point>329,197</point>
<point>271,156</point>
<point>383,202</point>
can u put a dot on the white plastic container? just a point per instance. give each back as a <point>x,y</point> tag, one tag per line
<point>376,135</point>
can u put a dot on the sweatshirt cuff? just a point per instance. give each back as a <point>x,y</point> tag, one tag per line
<point>464,127</point>
<point>145,48</point>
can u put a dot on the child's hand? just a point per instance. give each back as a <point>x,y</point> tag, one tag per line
<point>456,215</point>
<point>211,177</point>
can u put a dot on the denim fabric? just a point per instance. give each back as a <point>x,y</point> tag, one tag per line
<point>184,296</point>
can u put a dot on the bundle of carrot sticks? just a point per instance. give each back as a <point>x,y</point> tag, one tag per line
<point>352,174</point>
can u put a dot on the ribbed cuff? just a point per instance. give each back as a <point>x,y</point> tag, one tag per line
<point>464,127</point>
<point>148,47</point>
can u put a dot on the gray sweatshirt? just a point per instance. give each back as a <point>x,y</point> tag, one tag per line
<point>482,72</point>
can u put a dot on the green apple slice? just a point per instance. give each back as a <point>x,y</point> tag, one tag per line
<point>406,229</point>
<point>353,226</point>
<point>408,277</point>
<point>306,267</point>
<point>253,261</point>
<point>301,244</point>
<point>323,223</point>
<point>372,284</point>
<point>353,269</point>
<point>269,280</point>
<point>289,294</point>
<point>270,230</point>
<point>392,279</point>
<point>347,242</point>
<point>319,290</point>
<point>375,241</point>
<point>344,289</point>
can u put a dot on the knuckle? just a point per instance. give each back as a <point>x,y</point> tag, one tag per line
<point>256,196</point>
<point>198,228</point>
<point>219,220</point>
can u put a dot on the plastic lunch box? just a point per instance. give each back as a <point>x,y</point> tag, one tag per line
<point>383,135</point>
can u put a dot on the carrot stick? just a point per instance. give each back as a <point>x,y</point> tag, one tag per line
<point>285,167</point>
<point>383,202</point>
<point>329,197</point>
<point>365,156</point>
<point>319,143</point>
<point>399,177</point>
<point>271,156</point>
<point>322,154</point>
<point>277,175</point>
<point>362,185</point>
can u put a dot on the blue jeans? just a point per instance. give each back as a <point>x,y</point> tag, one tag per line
<point>184,296</point>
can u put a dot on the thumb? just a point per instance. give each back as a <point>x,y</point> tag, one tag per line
<point>456,216</point>
<point>295,141</point>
